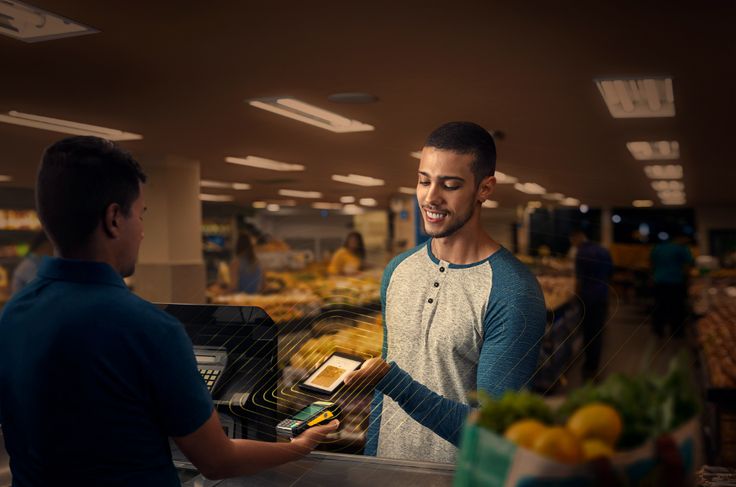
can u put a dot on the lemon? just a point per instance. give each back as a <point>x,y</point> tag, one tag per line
<point>524,432</point>
<point>596,420</point>
<point>559,444</point>
<point>595,448</point>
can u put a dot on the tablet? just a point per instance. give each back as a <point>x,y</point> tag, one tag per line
<point>331,374</point>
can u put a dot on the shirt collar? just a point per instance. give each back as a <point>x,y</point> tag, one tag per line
<point>84,271</point>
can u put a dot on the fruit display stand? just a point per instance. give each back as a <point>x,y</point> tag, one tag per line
<point>640,430</point>
<point>714,344</point>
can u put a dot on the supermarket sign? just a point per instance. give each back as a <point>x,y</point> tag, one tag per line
<point>19,220</point>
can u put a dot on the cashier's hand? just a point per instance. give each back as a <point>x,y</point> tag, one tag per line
<point>315,435</point>
<point>369,374</point>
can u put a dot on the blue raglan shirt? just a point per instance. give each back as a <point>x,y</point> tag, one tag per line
<point>449,330</point>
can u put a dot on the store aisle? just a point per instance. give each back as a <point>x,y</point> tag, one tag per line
<point>629,347</point>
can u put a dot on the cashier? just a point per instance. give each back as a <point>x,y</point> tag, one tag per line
<point>93,379</point>
<point>461,313</point>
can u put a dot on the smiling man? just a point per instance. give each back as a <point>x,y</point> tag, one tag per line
<point>461,313</point>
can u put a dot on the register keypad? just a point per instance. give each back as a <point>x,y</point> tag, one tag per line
<point>210,377</point>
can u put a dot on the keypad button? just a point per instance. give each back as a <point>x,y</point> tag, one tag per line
<point>436,284</point>
<point>442,269</point>
<point>430,300</point>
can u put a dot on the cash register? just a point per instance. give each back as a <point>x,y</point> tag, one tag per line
<point>236,351</point>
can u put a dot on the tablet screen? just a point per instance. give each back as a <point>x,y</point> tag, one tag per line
<point>332,373</point>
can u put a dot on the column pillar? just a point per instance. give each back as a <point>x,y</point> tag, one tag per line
<point>170,266</point>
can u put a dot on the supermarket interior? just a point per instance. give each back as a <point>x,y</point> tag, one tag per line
<point>282,145</point>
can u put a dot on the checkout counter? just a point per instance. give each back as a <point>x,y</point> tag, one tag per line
<point>247,400</point>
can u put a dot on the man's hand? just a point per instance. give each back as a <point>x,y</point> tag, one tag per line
<point>369,374</point>
<point>309,440</point>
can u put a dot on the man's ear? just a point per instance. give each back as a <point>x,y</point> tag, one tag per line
<point>111,222</point>
<point>486,188</point>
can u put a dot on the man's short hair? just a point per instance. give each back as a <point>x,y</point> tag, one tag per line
<point>467,138</point>
<point>78,179</point>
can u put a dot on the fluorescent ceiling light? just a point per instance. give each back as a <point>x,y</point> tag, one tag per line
<point>490,204</point>
<point>671,194</point>
<point>215,197</point>
<point>309,114</point>
<point>534,204</point>
<point>368,202</point>
<point>570,202</point>
<point>407,190</point>
<point>352,210</point>
<point>667,185</point>
<point>358,180</point>
<point>326,206</point>
<point>554,196</point>
<point>205,183</point>
<point>347,199</point>
<point>262,163</point>
<point>674,202</point>
<point>416,154</point>
<point>273,207</point>
<point>259,204</point>
<point>669,171</point>
<point>654,150</point>
<point>502,178</point>
<point>65,126</point>
<point>530,188</point>
<point>5,179</point>
<point>642,203</point>
<point>638,98</point>
<point>293,193</point>
<point>31,24</point>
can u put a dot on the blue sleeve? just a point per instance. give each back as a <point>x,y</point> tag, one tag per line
<point>513,329</point>
<point>181,398</point>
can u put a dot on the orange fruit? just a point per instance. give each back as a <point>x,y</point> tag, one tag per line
<point>596,420</point>
<point>524,432</point>
<point>595,448</point>
<point>559,444</point>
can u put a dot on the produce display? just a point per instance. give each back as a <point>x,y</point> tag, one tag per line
<point>620,414</point>
<point>280,307</point>
<point>716,331</point>
<point>557,290</point>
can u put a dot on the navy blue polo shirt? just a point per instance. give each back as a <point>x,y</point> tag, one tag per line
<point>93,381</point>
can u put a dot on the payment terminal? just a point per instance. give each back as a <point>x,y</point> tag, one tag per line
<point>319,412</point>
<point>211,362</point>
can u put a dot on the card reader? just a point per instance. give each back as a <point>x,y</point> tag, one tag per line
<point>317,413</point>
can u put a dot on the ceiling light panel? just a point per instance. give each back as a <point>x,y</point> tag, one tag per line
<point>358,180</point>
<point>310,114</point>
<point>654,150</point>
<point>27,23</point>
<point>353,210</point>
<point>368,202</point>
<point>638,98</point>
<point>65,126</point>
<point>416,154</point>
<point>530,188</point>
<point>5,178</point>
<point>326,206</point>
<point>293,193</point>
<point>263,163</point>
<point>570,202</point>
<point>215,197</point>
<point>668,185</point>
<point>668,171</point>
<point>259,204</point>
<point>407,190</point>
<point>642,203</point>
<point>502,178</point>
<point>554,196</point>
<point>347,199</point>
<point>490,204</point>
<point>223,185</point>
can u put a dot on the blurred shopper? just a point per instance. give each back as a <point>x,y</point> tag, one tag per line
<point>246,274</point>
<point>28,267</point>
<point>461,313</point>
<point>671,262</point>
<point>93,379</point>
<point>350,258</point>
<point>593,271</point>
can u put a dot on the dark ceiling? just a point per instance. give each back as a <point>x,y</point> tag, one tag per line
<point>179,72</point>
